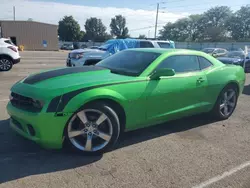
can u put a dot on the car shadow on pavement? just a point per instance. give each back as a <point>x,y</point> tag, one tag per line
<point>21,158</point>
<point>246,90</point>
<point>181,125</point>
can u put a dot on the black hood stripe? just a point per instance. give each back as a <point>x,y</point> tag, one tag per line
<point>58,103</point>
<point>60,72</point>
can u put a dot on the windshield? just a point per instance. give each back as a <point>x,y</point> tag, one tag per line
<point>235,55</point>
<point>208,50</point>
<point>131,63</point>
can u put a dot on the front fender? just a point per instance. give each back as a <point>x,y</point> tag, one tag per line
<point>99,93</point>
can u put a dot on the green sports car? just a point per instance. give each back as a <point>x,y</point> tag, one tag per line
<point>89,107</point>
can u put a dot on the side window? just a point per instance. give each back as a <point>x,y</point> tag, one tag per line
<point>220,51</point>
<point>181,63</point>
<point>146,44</point>
<point>164,44</point>
<point>204,63</point>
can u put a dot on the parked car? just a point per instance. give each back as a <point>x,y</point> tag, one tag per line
<point>84,46</point>
<point>236,58</point>
<point>67,47</point>
<point>216,52</point>
<point>9,54</point>
<point>88,107</point>
<point>82,57</point>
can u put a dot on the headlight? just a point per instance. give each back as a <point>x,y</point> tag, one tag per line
<point>37,103</point>
<point>237,61</point>
<point>10,97</point>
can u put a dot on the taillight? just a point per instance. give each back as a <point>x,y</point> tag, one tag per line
<point>12,48</point>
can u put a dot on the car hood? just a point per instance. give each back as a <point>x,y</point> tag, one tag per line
<point>58,81</point>
<point>77,51</point>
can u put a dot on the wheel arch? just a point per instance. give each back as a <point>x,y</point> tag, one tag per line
<point>112,98</point>
<point>6,56</point>
<point>115,105</point>
<point>233,83</point>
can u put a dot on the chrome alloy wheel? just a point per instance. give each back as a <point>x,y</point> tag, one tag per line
<point>228,102</point>
<point>90,130</point>
<point>5,64</point>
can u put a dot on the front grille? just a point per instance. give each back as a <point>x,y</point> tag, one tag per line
<point>24,103</point>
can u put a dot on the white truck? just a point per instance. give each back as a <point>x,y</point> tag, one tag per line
<point>82,57</point>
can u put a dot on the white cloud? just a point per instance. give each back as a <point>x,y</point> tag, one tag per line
<point>51,12</point>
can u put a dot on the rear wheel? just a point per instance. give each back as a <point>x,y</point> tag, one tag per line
<point>93,129</point>
<point>226,103</point>
<point>5,64</point>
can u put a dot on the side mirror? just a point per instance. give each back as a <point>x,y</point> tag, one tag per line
<point>162,72</point>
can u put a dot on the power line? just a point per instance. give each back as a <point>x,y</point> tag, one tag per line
<point>162,24</point>
<point>184,6</point>
<point>198,9</point>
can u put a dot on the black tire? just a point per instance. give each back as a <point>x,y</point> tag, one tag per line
<point>5,64</point>
<point>112,116</point>
<point>216,111</point>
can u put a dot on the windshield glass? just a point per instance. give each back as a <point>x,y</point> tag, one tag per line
<point>235,55</point>
<point>131,63</point>
<point>208,50</point>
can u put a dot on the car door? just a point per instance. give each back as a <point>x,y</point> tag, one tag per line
<point>178,95</point>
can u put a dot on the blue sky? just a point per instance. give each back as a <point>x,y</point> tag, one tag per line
<point>174,5</point>
<point>140,14</point>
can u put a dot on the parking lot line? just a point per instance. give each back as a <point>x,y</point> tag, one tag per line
<point>3,100</point>
<point>222,176</point>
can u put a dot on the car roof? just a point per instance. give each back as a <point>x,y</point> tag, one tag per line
<point>2,39</point>
<point>164,50</point>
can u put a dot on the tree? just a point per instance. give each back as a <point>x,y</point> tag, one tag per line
<point>193,27</point>
<point>95,30</point>
<point>185,29</point>
<point>142,37</point>
<point>118,27</point>
<point>69,29</point>
<point>213,23</point>
<point>217,24</point>
<point>239,24</point>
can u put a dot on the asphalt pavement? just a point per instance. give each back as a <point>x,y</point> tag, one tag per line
<point>192,152</point>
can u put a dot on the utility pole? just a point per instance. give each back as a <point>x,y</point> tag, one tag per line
<point>14,13</point>
<point>156,21</point>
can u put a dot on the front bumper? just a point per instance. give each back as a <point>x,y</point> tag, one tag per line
<point>46,129</point>
<point>15,61</point>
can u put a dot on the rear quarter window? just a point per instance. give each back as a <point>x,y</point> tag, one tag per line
<point>146,44</point>
<point>9,42</point>
<point>204,63</point>
<point>164,44</point>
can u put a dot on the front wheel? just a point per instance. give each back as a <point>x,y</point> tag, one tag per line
<point>93,129</point>
<point>5,64</point>
<point>226,103</point>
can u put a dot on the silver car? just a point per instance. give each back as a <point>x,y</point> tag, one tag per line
<point>87,56</point>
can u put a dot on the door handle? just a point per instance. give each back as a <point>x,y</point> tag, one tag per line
<point>200,80</point>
